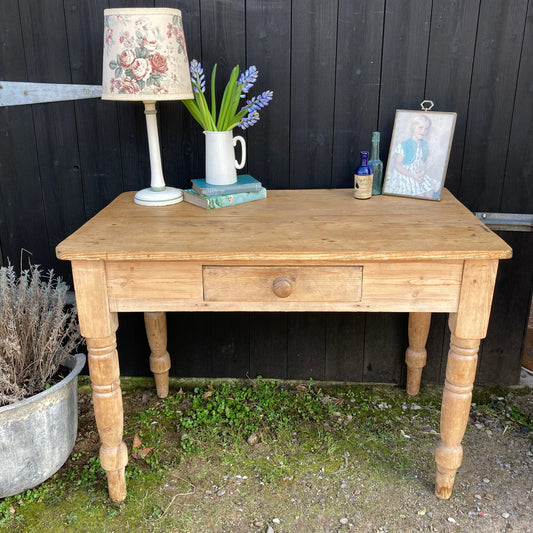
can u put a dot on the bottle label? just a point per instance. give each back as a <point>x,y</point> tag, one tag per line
<point>363,186</point>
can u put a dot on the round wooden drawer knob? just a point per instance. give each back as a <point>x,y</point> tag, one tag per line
<point>282,287</point>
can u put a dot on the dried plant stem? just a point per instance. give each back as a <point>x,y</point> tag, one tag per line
<point>37,331</point>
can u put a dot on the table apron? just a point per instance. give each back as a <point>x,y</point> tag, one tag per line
<point>401,286</point>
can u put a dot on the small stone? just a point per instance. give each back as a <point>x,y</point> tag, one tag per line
<point>252,439</point>
<point>486,480</point>
<point>270,529</point>
<point>505,515</point>
<point>258,523</point>
<point>451,520</point>
<point>477,496</point>
<point>343,521</point>
<point>221,492</point>
<point>488,496</point>
<point>276,520</point>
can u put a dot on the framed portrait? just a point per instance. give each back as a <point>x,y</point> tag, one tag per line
<point>419,154</point>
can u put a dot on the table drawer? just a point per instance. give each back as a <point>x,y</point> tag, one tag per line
<point>288,283</point>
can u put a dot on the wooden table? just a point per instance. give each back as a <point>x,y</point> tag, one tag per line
<point>298,250</point>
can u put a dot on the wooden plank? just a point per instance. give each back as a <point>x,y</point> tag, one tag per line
<point>449,71</point>
<point>494,78</point>
<point>136,281</point>
<point>132,345</point>
<point>223,33</point>
<point>500,356</point>
<point>385,345</point>
<point>518,186</point>
<point>326,226</point>
<point>404,63</point>
<point>181,138</point>
<point>306,346</point>
<point>131,145</point>
<point>313,56</point>
<point>210,344</point>
<point>268,34</point>
<point>22,215</point>
<point>412,286</point>
<point>357,82</point>
<point>223,36</point>
<point>189,344</point>
<point>99,148</point>
<point>54,123</point>
<point>268,345</point>
<point>344,346</point>
<point>437,349</point>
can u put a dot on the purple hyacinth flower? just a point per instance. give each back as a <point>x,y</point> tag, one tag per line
<point>249,120</point>
<point>247,79</point>
<point>258,102</point>
<point>197,76</point>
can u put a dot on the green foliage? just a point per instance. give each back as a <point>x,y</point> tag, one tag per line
<point>231,412</point>
<point>306,433</point>
<point>520,417</point>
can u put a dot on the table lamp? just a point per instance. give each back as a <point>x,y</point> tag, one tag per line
<point>145,59</point>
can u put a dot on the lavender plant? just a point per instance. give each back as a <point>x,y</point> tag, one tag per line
<point>228,115</point>
<point>37,331</point>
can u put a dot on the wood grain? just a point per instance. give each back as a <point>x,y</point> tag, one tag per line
<point>310,225</point>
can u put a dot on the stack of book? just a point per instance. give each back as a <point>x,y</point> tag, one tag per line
<point>245,189</point>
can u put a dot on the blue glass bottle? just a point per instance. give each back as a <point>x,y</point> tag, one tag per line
<point>376,164</point>
<point>363,178</point>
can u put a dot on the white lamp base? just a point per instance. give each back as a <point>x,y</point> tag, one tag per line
<point>168,196</point>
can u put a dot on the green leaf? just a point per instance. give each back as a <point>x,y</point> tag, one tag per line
<point>192,107</point>
<point>213,96</point>
<point>225,118</point>
<point>233,108</point>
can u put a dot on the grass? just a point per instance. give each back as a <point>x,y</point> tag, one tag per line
<point>283,436</point>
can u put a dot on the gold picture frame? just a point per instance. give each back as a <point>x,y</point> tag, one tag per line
<point>419,153</point>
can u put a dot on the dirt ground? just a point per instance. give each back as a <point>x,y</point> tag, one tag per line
<point>493,489</point>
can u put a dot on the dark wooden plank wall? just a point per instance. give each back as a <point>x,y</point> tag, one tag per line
<point>339,71</point>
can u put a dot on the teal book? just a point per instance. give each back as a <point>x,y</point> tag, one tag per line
<point>222,200</point>
<point>244,183</point>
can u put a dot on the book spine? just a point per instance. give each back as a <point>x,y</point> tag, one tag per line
<point>226,200</point>
<point>230,189</point>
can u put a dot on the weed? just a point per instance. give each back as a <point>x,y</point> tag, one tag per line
<point>304,437</point>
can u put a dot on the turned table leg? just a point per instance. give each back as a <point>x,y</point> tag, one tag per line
<point>108,412</point>
<point>416,355</point>
<point>156,331</point>
<point>98,325</point>
<point>468,326</point>
<point>456,400</point>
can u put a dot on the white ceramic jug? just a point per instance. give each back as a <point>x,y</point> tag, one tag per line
<point>220,164</point>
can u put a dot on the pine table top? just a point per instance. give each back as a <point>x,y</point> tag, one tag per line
<point>287,226</point>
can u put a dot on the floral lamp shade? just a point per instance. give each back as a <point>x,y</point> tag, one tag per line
<point>145,57</point>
